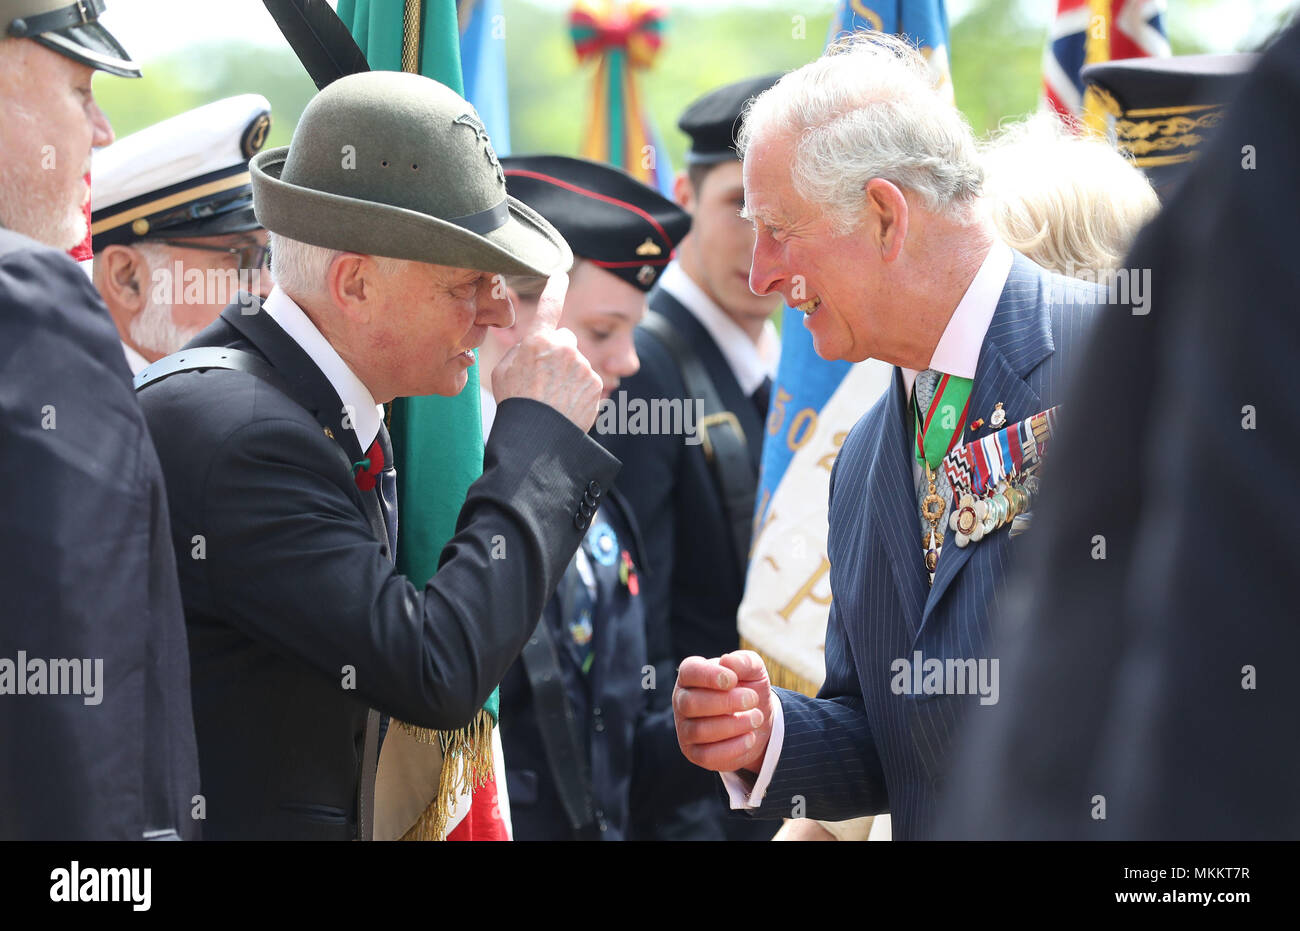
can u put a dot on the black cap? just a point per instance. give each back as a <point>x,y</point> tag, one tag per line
<point>1161,110</point>
<point>713,121</point>
<point>607,216</point>
<point>71,29</point>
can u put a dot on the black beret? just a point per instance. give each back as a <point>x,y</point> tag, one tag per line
<point>607,216</point>
<point>1160,110</point>
<point>713,121</point>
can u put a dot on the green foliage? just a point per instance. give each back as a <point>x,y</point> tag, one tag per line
<point>199,74</point>
<point>703,49</point>
<point>996,51</point>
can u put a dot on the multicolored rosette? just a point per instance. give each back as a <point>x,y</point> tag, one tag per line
<point>622,38</point>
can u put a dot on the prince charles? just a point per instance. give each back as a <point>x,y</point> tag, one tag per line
<point>863,187</point>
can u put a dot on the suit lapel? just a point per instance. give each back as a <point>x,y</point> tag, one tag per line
<point>893,502</point>
<point>715,363</point>
<point>1018,340</point>
<point>310,388</point>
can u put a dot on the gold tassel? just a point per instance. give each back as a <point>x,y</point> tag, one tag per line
<point>780,675</point>
<point>467,765</point>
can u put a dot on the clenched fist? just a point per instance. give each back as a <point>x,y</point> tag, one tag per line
<point>723,711</point>
<point>545,364</point>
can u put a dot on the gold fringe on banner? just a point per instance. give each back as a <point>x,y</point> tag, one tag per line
<point>466,765</point>
<point>780,675</point>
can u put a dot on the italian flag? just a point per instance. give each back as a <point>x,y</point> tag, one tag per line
<point>438,444</point>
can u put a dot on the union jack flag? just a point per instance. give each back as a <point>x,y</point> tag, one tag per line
<point>1089,31</point>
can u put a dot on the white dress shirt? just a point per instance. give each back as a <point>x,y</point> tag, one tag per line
<point>134,360</point>
<point>488,408</point>
<point>358,403</point>
<point>750,362</point>
<point>957,353</point>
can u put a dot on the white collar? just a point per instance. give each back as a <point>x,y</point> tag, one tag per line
<point>749,362</point>
<point>366,415</point>
<point>958,349</point>
<point>134,360</point>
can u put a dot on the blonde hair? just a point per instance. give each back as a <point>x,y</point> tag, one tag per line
<point>1069,202</point>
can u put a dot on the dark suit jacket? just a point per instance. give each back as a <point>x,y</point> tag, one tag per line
<point>859,748</point>
<point>295,595</point>
<point>87,572</point>
<point>694,577</point>
<point>1128,677</point>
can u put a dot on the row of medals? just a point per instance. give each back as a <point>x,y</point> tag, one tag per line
<point>975,516</point>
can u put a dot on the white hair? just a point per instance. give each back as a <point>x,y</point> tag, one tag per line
<point>154,328</point>
<point>300,268</point>
<point>869,108</point>
<point>1068,201</point>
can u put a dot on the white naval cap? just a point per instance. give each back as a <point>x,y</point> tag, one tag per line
<point>186,176</point>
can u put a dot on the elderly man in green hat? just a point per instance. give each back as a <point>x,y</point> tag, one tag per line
<point>390,230</point>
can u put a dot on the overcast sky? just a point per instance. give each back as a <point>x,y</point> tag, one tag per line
<point>148,28</point>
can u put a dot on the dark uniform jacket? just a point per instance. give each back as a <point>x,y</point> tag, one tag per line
<point>1153,691</point>
<point>610,701</point>
<point>299,623</point>
<point>87,572</point>
<point>696,577</point>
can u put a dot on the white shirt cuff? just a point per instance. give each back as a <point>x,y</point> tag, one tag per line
<point>741,795</point>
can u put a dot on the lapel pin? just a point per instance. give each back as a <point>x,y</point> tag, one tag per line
<point>998,418</point>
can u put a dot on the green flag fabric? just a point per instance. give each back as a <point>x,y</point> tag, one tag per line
<point>437,441</point>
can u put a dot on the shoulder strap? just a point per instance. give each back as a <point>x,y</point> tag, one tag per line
<point>726,450</point>
<point>209,357</point>
<point>222,357</point>
<point>559,729</point>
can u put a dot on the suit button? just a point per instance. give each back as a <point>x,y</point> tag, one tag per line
<point>593,489</point>
<point>579,522</point>
<point>601,823</point>
<point>600,727</point>
<point>595,711</point>
<point>586,510</point>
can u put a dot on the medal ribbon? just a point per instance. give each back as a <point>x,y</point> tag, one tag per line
<point>933,439</point>
<point>993,453</point>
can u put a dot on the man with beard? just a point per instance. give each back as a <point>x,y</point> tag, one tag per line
<point>94,672</point>
<point>175,238</point>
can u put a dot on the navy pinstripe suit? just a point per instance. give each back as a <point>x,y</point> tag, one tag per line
<point>858,748</point>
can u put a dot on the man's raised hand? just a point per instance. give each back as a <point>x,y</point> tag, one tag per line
<point>723,711</point>
<point>545,364</point>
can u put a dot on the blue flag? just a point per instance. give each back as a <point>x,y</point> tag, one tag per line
<point>483,66</point>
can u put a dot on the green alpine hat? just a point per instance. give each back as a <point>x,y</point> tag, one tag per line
<point>398,165</point>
